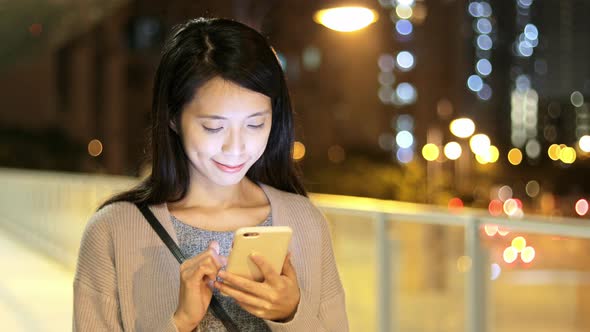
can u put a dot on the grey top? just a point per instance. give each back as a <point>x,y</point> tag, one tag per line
<point>192,241</point>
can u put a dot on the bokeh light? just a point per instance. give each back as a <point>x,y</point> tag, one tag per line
<point>484,42</point>
<point>510,255</point>
<point>504,193</point>
<point>404,27</point>
<point>455,204</point>
<point>533,149</point>
<point>484,67</point>
<point>95,148</point>
<point>345,19</point>
<point>386,62</point>
<point>584,143</point>
<point>483,26</point>
<point>528,254</point>
<point>554,151</point>
<point>406,93</point>
<point>519,243</point>
<point>479,143</point>
<point>298,150</point>
<point>490,230</point>
<point>405,60</point>
<point>452,150</point>
<point>511,207</point>
<point>581,207</point>
<point>515,156</point>
<point>485,93</point>
<point>405,155</point>
<point>403,11</point>
<point>430,152</point>
<point>495,208</point>
<point>404,139</point>
<point>474,83</point>
<point>495,271</point>
<point>577,98</point>
<point>462,127</point>
<point>567,155</point>
<point>311,58</point>
<point>532,188</point>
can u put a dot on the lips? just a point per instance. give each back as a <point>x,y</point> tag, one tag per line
<point>229,168</point>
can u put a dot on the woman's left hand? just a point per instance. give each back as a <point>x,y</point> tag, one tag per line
<point>276,298</point>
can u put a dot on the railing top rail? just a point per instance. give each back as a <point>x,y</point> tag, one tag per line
<point>428,214</point>
<point>362,206</point>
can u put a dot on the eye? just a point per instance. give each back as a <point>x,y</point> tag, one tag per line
<point>212,130</point>
<point>256,126</point>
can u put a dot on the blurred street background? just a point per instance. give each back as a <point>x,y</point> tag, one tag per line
<point>447,142</point>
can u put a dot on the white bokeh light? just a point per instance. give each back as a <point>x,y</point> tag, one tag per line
<point>405,60</point>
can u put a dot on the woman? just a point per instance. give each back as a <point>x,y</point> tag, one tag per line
<point>221,159</point>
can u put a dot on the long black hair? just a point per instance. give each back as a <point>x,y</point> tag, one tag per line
<point>194,53</point>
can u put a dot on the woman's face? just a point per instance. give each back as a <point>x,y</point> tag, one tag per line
<point>225,129</point>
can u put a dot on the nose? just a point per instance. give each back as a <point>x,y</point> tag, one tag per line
<point>234,143</point>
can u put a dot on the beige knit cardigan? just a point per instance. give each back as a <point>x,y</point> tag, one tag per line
<point>127,280</point>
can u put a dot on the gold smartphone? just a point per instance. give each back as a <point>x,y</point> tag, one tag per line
<point>271,242</point>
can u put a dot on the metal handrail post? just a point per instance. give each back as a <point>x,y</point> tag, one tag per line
<point>476,292</point>
<point>385,314</point>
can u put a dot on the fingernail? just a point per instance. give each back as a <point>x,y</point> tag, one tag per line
<point>221,274</point>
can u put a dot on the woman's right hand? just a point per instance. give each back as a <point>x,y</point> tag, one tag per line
<point>197,275</point>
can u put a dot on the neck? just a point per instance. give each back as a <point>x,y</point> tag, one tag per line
<point>206,194</point>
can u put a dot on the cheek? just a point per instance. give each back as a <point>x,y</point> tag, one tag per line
<point>259,144</point>
<point>200,144</point>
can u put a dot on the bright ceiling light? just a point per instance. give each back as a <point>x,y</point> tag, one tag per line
<point>345,19</point>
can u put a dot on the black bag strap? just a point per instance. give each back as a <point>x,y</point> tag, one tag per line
<point>215,306</point>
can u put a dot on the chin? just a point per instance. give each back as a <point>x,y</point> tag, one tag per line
<point>228,179</point>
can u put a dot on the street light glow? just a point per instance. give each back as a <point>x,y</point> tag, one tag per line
<point>462,127</point>
<point>345,19</point>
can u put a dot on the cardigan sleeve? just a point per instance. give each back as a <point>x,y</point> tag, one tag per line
<point>96,307</point>
<point>96,302</point>
<point>332,310</point>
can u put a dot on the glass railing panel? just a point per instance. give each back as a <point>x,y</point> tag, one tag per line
<point>428,279</point>
<point>543,289</point>
<point>353,238</point>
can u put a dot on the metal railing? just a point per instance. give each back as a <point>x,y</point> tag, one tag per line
<point>49,210</point>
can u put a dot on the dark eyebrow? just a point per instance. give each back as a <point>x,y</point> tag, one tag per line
<point>217,117</point>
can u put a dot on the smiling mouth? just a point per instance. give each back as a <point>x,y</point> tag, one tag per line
<point>228,168</point>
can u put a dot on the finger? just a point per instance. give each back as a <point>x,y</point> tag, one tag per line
<point>215,246</point>
<point>200,274</point>
<point>268,272</point>
<point>223,260</point>
<point>241,296</point>
<point>245,284</point>
<point>288,268</point>
<point>212,260</point>
<point>258,312</point>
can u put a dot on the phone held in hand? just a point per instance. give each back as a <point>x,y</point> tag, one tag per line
<point>270,242</point>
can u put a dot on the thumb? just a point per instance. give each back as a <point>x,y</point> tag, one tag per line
<point>215,246</point>
<point>288,268</point>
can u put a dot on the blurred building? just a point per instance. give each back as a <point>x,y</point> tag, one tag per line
<point>76,80</point>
